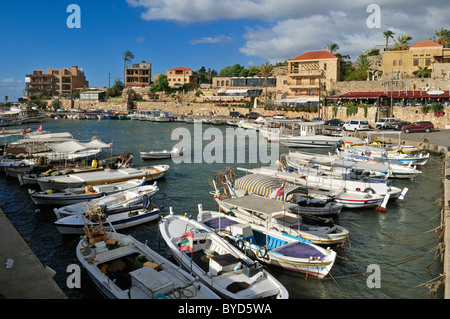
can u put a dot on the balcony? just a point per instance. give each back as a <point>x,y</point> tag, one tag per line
<point>316,72</point>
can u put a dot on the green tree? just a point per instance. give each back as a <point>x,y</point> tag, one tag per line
<point>127,57</point>
<point>423,72</point>
<point>233,71</point>
<point>265,71</point>
<point>333,47</point>
<point>442,37</point>
<point>388,34</point>
<point>116,89</point>
<point>402,42</point>
<point>6,99</point>
<point>161,84</point>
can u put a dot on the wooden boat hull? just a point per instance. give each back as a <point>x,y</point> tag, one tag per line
<point>102,177</point>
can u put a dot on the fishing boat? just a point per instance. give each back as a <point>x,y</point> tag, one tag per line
<point>5,161</point>
<point>331,164</point>
<point>151,155</point>
<point>215,262</point>
<point>349,198</point>
<point>121,267</point>
<point>126,198</point>
<point>366,153</point>
<point>284,217</point>
<point>271,247</point>
<point>300,198</point>
<point>117,218</point>
<point>102,177</point>
<point>71,196</point>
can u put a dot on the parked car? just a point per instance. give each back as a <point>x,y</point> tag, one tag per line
<point>387,122</point>
<point>398,126</point>
<point>334,122</point>
<point>252,115</point>
<point>236,114</point>
<point>418,127</point>
<point>356,125</point>
<point>316,119</point>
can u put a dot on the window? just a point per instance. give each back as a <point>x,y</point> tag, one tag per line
<point>427,62</point>
<point>400,62</point>
<point>394,63</point>
<point>325,66</point>
<point>312,81</point>
<point>416,62</point>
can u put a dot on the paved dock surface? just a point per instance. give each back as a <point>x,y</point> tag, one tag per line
<point>26,278</point>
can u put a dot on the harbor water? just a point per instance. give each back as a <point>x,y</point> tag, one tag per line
<point>393,254</point>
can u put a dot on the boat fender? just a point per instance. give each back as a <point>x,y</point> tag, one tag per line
<point>369,190</point>
<point>261,252</point>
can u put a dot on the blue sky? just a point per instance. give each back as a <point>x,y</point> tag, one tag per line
<point>193,33</point>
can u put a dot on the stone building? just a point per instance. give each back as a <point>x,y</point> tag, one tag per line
<point>180,76</point>
<point>139,75</point>
<point>404,64</point>
<point>54,82</point>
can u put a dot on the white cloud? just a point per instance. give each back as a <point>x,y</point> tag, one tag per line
<point>212,40</point>
<point>283,29</point>
<point>140,40</point>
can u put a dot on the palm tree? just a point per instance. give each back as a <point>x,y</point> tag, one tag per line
<point>6,99</point>
<point>402,42</point>
<point>127,57</point>
<point>265,71</point>
<point>423,72</point>
<point>388,34</point>
<point>333,47</point>
<point>443,37</point>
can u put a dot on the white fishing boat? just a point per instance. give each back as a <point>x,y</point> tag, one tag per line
<point>216,263</point>
<point>126,198</point>
<point>349,198</point>
<point>284,217</point>
<point>117,218</point>
<point>15,162</point>
<point>102,177</point>
<point>71,196</point>
<point>332,164</point>
<point>271,247</point>
<point>367,153</point>
<point>122,267</point>
<point>152,155</point>
<point>304,199</point>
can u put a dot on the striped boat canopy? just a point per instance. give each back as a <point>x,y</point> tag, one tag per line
<point>264,185</point>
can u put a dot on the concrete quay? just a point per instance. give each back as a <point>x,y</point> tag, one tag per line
<point>22,275</point>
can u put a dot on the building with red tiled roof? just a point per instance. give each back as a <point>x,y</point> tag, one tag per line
<point>310,73</point>
<point>404,64</point>
<point>180,76</point>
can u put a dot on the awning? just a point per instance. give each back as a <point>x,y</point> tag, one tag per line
<point>264,185</point>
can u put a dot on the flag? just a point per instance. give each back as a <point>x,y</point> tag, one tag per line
<point>39,129</point>
<point>186,242</point>
<point>26,130</point>
<point>110,145</point>
<point>278,192</point>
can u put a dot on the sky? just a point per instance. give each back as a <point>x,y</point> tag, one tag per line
<point>194,33</point>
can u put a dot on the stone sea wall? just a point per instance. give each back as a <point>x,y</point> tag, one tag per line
<point>191,107</point>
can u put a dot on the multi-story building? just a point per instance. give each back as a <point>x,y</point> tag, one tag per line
<point>401,64</point>
<point>139,75</point>
<point>180,76</point>
<point>309,74</point>
<point>54,82</point>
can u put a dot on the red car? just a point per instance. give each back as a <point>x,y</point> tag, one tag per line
<point>418,127</point>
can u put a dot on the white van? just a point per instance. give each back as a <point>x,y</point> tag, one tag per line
<point>356,125</point>
<point>387,122</point>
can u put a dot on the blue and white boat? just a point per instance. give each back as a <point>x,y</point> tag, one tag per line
<point>216,263</point>
<point>271,247</point>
